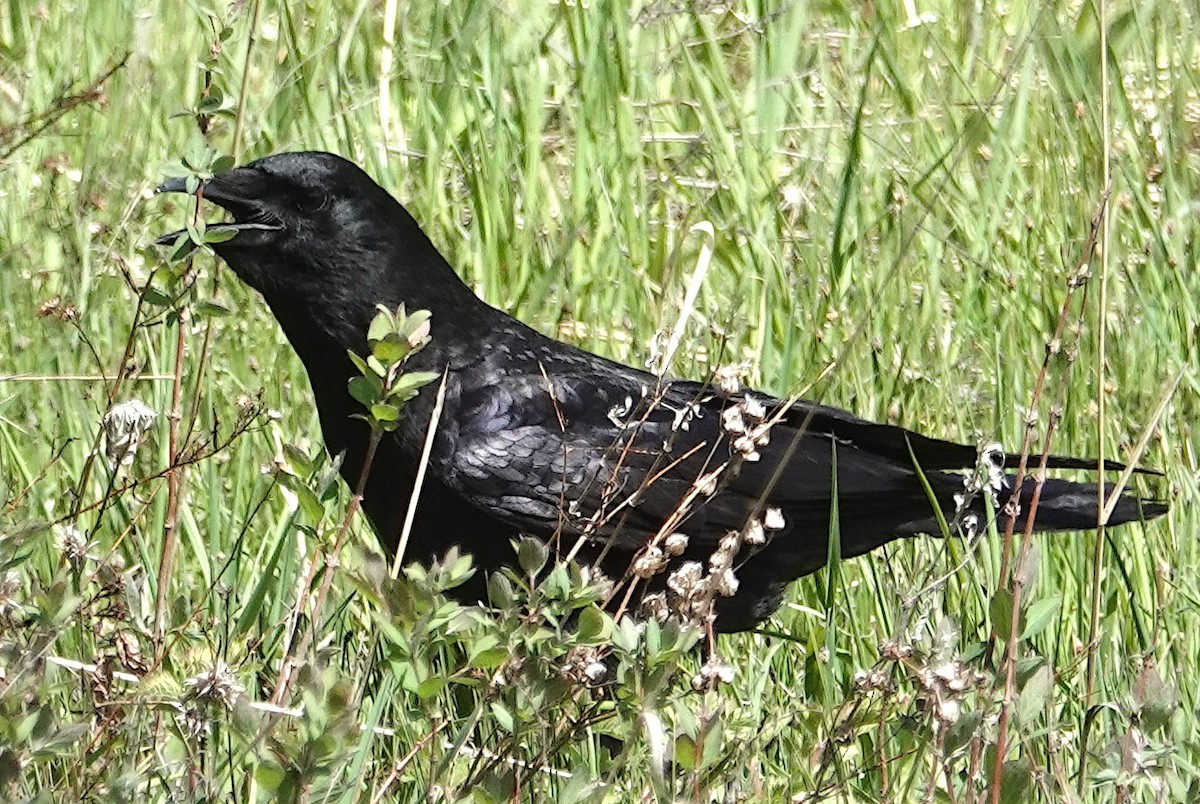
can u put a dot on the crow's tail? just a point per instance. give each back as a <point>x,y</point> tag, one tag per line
<point>1066,505</point>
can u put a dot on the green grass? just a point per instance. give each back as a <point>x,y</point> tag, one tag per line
<point>897,211</point>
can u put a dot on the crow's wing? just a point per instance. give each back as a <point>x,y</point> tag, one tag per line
<point>619,455</point>
<point>579,453</point>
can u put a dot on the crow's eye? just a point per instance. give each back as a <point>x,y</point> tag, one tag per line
<point>309,203</point>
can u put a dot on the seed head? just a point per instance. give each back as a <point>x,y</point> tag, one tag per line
<point>124,427</point>
<point>728,379</point>
<point>650,562</point>
<point>675,544</point>
<point>216,685</point>
<point>755,535</point>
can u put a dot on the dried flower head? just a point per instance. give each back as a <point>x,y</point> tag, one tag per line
<point>732,421</point>
<point>745,446</point>
<point>10,588</point>
<point>872,681</point>
<point>124,427</point>
<point>728,379</point>
<point>687,580</point>
<point>948,711</point>
<point>129,653</point>
<point>649,562</point>
<point>722,558</point>
<point>894,651</point>
<point>706,485</point>
<point>654,607</point>
<point>754,533</point>
<point>73,543</point>
<point>754,408</point>
<point>675,544</point>
<point>216,685</point>
<point>713,672</point>
<point>57,308</point>
<point>991,460</point>
<point>583,665</point>
<point>724,583</point>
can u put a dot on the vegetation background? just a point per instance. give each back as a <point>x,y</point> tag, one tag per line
<point>900,193</point>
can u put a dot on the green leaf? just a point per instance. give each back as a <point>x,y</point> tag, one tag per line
<point>389,350</point>
<point>382,325</point>
<point>267,581</point>
<point>1032,700</point>
<point>489,659</point>
<point>1000,611</point>
<point>154,296</point>
<point>500,591</point>
<point>1040,615</point>
<point>182,247</point>
<point>627,634</point>
<point>213,100</point>
<point>532,555</point>
<point>482,645</point>
<point>64,738</point>
<point>504,717</point>
<point>385,412</point>
<point>309,502</point>
<point>211,309</point>
<point>413,381</point>
<point>1155,699</point>
<point>962,730</point>
<point>219,234</point>
<point>430,687</point>
<point>359,363</point>
<point>416,329</point>
<point>174,169</point>
<point>1016,781</point>
<point>365,389</point>
<point>594,625</point>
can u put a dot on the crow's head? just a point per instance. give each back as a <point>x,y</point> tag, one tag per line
<point>290,211</point>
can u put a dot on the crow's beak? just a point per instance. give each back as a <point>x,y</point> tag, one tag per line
<point>175,185</point>
<point>240,192</point>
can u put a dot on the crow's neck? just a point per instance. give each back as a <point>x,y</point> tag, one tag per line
<point>326,322</point>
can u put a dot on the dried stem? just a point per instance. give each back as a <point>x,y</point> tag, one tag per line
<point>1078,280</point>
<point>243,93</point>
<point>174,484</point>
<point>286,670</point>
<point>1101,406</point>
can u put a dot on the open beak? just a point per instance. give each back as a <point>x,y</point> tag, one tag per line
<point>240,192</point>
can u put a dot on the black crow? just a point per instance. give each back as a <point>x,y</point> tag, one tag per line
<point>683,481</point>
